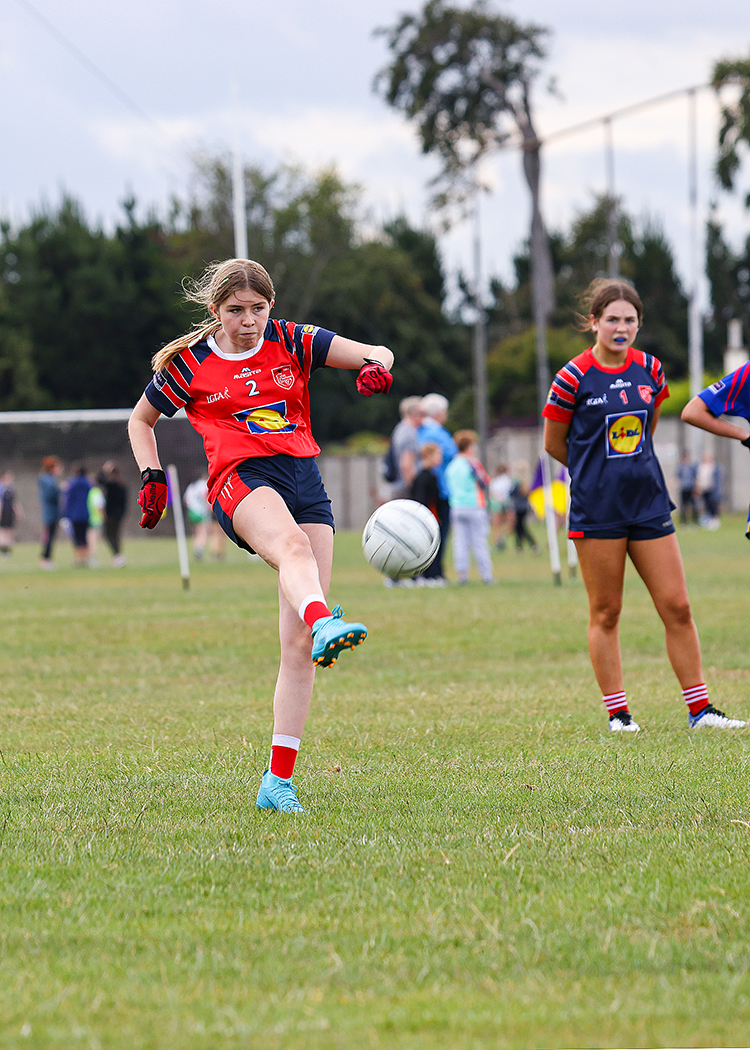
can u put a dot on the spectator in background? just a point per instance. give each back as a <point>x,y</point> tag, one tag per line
<point>115,503</point>
<point>425,490</point>
<point>96,503</point>
<point>519,495</point>
<point>686,476</point>
<point>199,513</point>
<point>708,489</point>
<point>435,408</point>
<point>468,484</point>
<point>77,512</point>
<point>501,506</point>
<point>406,446</point>
<point>10,511</point>
<point>48,485</point>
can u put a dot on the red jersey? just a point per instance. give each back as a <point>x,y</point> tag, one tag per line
<point>246,405</point>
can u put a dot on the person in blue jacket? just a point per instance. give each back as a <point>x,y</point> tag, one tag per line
<point>76,510</point>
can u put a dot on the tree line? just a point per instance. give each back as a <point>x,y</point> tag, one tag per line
<point>83,309</point>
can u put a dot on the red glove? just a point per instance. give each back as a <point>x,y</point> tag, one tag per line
<point>373,378</point>
<point>152,497</point>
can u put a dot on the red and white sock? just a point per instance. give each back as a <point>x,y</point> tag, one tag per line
<point>312,608</point>
<point>283,755</point>
<point>696,698</point>
<point>615,702</point>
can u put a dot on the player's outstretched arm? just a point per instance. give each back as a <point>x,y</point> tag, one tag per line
<point>143,419</point>
<point>152,497</point>
<point>698,414</point>
<point>348,353</point>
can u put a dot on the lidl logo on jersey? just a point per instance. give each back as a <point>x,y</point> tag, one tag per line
<point>625,434</point>
<point>266,419</point>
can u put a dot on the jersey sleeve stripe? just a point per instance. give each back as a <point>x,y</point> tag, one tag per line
<point>177,400</point>
<point>180,371</point>
<point>176,383</point>
<point>556,412</point>
<point>739,379</point>
<point>565,387</point>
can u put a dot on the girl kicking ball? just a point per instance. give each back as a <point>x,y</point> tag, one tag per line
<point>243,379</point>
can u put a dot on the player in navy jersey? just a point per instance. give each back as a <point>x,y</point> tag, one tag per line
<point>729,396</point>
<point>242,378</point>
<point>600,417</point>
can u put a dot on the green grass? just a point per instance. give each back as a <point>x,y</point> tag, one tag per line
<point>482,865</point>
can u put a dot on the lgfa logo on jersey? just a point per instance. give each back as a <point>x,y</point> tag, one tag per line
<point>625,434</point>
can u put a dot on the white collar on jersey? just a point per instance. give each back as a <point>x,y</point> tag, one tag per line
<point>233,357</point>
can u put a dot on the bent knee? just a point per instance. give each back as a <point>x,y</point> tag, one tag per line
<point>606,617</point>
<point>679,613</point>
<point>297,544</point>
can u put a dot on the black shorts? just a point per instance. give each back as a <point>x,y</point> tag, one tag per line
<point>80,533</point>
<point>296,480</point>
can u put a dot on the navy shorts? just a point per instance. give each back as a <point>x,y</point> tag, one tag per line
<point>296,480</point>
<point>653,529</point>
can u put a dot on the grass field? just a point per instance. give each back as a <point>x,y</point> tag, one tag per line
<point>482,865</point>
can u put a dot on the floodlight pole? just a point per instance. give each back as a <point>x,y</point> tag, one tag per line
<point>613,248</point>
<point>238,184</point>
<point>695,328</point>
<point>479,342</point>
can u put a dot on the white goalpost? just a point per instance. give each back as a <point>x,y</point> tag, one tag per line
<point>89,438</point>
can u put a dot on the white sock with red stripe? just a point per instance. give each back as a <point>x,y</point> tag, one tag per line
<point>615,702</point>
<point>696,698</point>
<point>312,608</point>
<point>283,755</point>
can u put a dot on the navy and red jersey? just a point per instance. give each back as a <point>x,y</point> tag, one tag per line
<point>731,395</point>
<point>246,405</point>
<point>615,476</point>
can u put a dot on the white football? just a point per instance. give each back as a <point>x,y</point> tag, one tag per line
<point>401,538</point>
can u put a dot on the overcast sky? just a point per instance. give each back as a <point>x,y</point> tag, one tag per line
<point>103,100</point>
